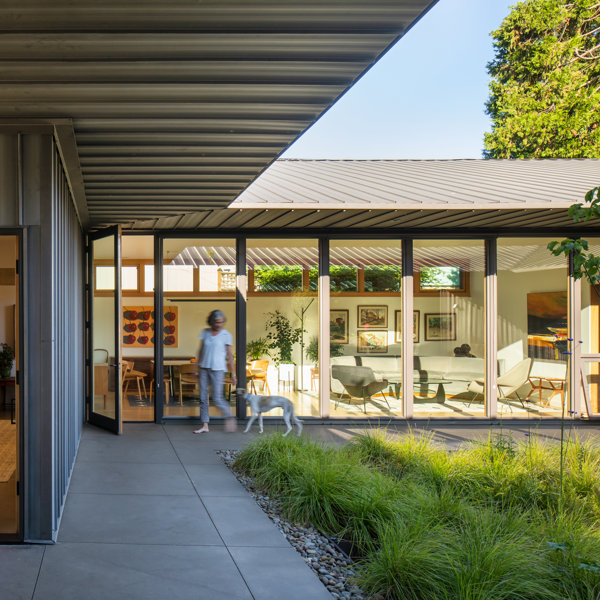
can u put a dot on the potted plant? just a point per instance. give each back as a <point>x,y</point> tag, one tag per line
<point>256,349</point>
<point>7,357</point>
<point>312,350</point>
<point>282,336</point>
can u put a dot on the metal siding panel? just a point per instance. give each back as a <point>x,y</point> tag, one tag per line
<point>39,427</point>
<point>68,348</point>
<point>8,180</point>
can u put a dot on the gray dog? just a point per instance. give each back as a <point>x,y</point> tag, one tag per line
<point>261,404</point>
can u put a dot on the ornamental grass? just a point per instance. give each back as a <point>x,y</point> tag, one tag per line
<point>491,521</point>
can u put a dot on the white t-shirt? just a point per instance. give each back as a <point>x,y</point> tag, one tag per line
<point>214,349</point>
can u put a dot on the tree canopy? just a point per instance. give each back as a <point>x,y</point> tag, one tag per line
<point>545,88</point>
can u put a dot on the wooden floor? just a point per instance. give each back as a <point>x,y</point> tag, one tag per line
<point>8,476</point>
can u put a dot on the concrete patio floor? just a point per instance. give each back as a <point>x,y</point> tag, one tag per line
<point>155,514</point>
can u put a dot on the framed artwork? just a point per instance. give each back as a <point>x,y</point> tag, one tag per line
<point>398,328</point>
<point>440,327</point>
<point>547,324</point>
<point>369,341</point>
<point>373,316</point>
<point>139,328</point>
<point>338,326</point>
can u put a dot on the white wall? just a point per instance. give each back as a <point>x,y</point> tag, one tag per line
<point>191,320</point>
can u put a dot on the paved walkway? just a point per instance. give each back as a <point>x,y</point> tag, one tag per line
<point>155,514</point>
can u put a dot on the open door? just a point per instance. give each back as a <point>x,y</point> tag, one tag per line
<point>104,398</point>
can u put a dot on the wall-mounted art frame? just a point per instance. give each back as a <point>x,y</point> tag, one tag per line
<point>440,327</point>
<point>398,326</point>
<point>372,315</point>
<point>371,341</point>
<point>338,326</point>
<point>139,327</point>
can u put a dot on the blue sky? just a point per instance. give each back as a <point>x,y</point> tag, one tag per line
<point>424,99</point>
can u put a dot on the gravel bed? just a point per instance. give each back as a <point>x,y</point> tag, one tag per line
<point>331,566</point>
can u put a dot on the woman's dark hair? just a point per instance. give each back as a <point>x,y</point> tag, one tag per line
<point>214,315</point>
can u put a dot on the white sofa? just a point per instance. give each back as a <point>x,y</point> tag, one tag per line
<point>458,371</point>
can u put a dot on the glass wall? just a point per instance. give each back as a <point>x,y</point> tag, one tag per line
<point>365,345</point>
<point>532,329</point>
<point>198,277</point>
<point>365,326</point>
<point>449,339</point>
<point>282,321</point>
<point>9,409</point>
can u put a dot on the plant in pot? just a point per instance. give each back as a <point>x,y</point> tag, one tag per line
<point>281,336</point>
<point>7,357</point>
<point>312,350</point>
<point>256,349</point>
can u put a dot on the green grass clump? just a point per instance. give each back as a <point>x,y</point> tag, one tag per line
<point>492,521</point>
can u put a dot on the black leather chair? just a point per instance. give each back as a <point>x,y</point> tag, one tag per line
<point>359,382</point>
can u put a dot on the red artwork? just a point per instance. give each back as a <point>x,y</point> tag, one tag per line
<point>139,328</point>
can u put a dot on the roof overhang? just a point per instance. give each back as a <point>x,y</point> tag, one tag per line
<point>404,195</point>
<point>176,106</point>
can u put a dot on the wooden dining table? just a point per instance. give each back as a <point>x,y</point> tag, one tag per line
<point>170,363</point>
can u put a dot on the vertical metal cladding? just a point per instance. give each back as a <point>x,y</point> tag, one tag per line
<point>68,390</point>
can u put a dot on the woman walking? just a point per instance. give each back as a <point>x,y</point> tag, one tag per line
<point>213,356</point>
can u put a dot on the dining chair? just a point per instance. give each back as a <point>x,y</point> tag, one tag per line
<point>314,378</point>
<point>129,375</point>
<point>188,376</point>
<point>257,371</point>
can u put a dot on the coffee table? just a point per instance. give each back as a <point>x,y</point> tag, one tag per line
<point>422,385</point>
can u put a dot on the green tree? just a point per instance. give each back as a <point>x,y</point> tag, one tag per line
<point>585,263</point>
<point>545,88</point>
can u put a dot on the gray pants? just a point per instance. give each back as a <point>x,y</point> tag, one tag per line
<point>215,380</point>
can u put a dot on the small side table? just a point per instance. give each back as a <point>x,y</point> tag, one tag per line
<point>554,385</point>
<point>4,383</point>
